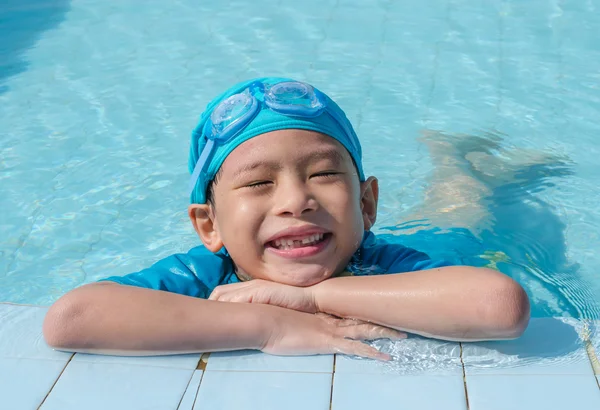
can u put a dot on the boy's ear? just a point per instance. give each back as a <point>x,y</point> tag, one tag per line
<point>369,195</point>
<point>205,224</point>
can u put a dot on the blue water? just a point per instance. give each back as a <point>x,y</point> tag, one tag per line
<point>479,118</point>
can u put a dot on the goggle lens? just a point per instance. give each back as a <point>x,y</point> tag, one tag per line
<point>229,112</point>
<point>290,94</point>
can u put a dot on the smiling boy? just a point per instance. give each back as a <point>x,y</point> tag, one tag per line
<point>289,264</point>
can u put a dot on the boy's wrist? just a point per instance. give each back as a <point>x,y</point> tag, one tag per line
<point>266,321</point>
<point>317,295</point>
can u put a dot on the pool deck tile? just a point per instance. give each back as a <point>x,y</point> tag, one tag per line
<point>189,398</point>
<point>21,334</point>
<point>24,383</point>
<point>246,360</point>
<point>527,392</point>
<point>412,356</point>
<point>114,386</point>
<point>548,368</point>
<point>185,361</point>
<point>355,391</point>
<point>548,346</point>
<point>264,391</point>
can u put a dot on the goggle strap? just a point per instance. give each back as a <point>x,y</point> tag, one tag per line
<point>206,151</point>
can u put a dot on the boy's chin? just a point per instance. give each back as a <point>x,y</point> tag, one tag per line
<point>303,277</point>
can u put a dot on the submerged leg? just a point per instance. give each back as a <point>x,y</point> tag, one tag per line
<point>467,169</point>
<point>454,197</point>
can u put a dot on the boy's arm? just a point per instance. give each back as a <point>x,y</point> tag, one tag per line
<point>454,303</point>
<point>109,318</point>
<point>116,319</point>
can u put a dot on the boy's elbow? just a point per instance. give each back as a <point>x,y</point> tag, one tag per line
<point>62,328</point>
<point>508,308</point>
<point>58,328</point>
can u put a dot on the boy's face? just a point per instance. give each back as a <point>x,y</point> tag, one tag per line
<point>288,207</point>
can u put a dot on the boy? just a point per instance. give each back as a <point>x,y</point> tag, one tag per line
<point>289,265</point>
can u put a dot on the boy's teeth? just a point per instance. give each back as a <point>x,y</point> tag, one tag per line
<point>291,243</point>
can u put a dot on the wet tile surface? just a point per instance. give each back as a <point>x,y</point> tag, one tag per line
<point>353,391</point>
<point>412,356</point>
<point>189,398</point>
<point>547,367</point>
<point>187,361</point>
<point>527,392</point>
<point>117,386</point>
<point>21,334</point>
<point>264,391</point>
<point>548,346</point>
<point>247,360</point>
<point>24,383</point>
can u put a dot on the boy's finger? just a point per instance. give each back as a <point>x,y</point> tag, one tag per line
<point>350,322</point>
<point>356,348</point>
<point>369,331</point>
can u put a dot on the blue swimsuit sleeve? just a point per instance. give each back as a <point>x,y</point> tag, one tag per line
<point>195,274</point>
<point>409,260</point>
<point>376,257</point>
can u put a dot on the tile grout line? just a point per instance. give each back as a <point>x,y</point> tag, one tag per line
<point>589,348</point>
<point>266,371</point>
<point>464,374</point>
<point>332,380</point>
<point>198,390</point>
<point>202,363</point>
<point>200,366</point>
<point>56,381</point>
<point>186,389</point>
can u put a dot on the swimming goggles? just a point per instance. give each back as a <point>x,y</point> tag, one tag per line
<point>229,118</point>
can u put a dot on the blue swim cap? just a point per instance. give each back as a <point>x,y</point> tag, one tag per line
<point>265,121</point>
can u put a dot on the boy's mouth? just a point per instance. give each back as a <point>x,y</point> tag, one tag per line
<point>288,243</point>
<point>300,246</point>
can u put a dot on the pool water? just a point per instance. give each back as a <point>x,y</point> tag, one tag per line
<point>479,119</point>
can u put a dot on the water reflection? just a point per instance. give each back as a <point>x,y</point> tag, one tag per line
<point>548,346</point>
<point>21,25</point>
<point>485,206</point>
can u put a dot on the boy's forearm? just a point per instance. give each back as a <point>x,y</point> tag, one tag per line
<point>114,319</point>
<point>453,303</point>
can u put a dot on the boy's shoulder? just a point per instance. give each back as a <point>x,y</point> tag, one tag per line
<point>195,273</point>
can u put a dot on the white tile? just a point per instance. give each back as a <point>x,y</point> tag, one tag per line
<point>388,391</point>
<point>264,391</point>
<point>21,334</point>
<point>186,361</point>
<point>528,392</point>
<point>412,356</point>
<point>104,386</point>
<point>548,346</point>
<point>189,398</point>
<point>249,360</point>
<point>25,382</point>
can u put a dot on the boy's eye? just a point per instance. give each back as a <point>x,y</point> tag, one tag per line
<point>258,184</point>
<point>326,174</point>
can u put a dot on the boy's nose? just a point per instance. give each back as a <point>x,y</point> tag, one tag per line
<point>294,199</point>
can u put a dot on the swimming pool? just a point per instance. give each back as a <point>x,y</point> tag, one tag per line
<point>478,119</point>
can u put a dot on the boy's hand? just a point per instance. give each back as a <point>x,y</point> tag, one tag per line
<point>266,292</point>
<point>298,333</point>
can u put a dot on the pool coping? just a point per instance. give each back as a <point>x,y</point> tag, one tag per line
<point>346,373</point>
